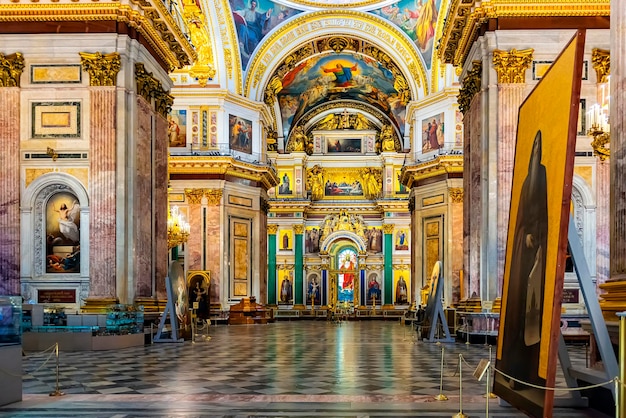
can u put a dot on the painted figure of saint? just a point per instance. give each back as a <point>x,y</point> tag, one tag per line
<point>286,294</point>
<point>343,74</point>
<point>524,302</point>
<point>401,291</point>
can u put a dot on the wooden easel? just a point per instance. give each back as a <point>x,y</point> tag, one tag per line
<point>434,308</point>
<point>170,309</point>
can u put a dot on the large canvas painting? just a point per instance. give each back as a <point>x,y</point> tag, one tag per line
<point>63,234</point>
<point>416,18</point>
<point>198,285</point>
<point>312,239</point>
<point>286,183</point>
<point>253,20</point>
<point>285,287</point>
<point>240,134</point>
<point>432,133</point>
<point>374,289</point>
<point>402,285</point>
<point>537,236</point>
<point>313,289</point>
<point>343,145</point>
<point>177,128</point>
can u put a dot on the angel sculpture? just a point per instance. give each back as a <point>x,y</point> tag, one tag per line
<point>67,221</point>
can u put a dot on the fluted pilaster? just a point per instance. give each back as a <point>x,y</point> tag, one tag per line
<point>603,180</point>
<point>159,238</point>
<point>197,233</point>
<point>102,196</point>
<point>10,191</point>
<point>510,97</point>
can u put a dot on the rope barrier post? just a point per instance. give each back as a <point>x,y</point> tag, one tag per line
<point>617,385</point>
<point>441,396</point>
<point>489,394</point>
<point>460,414</point>
<point>57,392</point>
<point>622,364</point>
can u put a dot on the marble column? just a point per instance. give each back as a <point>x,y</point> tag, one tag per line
<point>511,69</point>
<point>615,287</point>
<point>388,275</point>
<point>214,241</point>
<point>271,264</point>
<point>10,66</point>
<point>160,209</point>
<point>456,240</point>
<point>102,70</point>
<point>262,249</point>
<point>194,247</point>
<point>470,104</point>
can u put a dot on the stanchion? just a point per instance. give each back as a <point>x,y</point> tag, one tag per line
<point>441,396</point>
<point>488,393</point>
<point>622,365</point>
<point>57,392</point>
<point>460,414</point>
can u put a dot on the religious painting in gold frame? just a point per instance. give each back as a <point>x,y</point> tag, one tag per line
<point>534,268</point>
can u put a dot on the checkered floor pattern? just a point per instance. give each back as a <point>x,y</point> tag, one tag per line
<point>283,369</point>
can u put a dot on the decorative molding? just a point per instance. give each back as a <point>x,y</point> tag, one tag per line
<point>272,229</point>
<point>511,66</point>
<point>149,87</point>
<point>388,228</point>
<point>11,67</point>
<point>213,196</point>
<point>298,229</point>
<point>102,68</point>
<point>601,62</point>
<point>194,196</point>
<point>456,194</point>
<point>471,86</point>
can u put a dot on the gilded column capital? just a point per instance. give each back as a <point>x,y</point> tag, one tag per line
<point>388,228</point>
<point>272,229</point>
<point>214,196</point>
<point>11,67</point>
<point>162,101</point>
<point>194,196</point>
<point>471,86</point>
<point>601,61</point>
<point>511,66</point>
<point>149,87</point>
<point>102,68</point>
<point>456,194</point>
<point>298,229</point>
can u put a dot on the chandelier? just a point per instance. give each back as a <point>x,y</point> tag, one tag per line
<point>177,228</point>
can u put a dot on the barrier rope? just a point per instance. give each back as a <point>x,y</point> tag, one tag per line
<point>4,371</point>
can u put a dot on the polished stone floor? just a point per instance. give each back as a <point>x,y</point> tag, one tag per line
<point>284,369</point>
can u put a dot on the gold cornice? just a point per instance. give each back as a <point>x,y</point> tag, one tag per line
<point>224,165</point>
<point>288,205</point>
<point>601,62</point>
<point>11,67</point>
<point>511,66</point>
<point>438,97</point>
<point>472,84</point>
<point>367,23</point>
<point>396,206</point>
<point>167,40</point>
<point>443,164</point>
<point>465,18</point>
<point>102,68</point>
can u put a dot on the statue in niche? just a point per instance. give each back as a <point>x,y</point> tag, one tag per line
<point>387,138</point>
<point>298,140</point>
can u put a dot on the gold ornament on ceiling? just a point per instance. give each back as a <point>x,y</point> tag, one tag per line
<point>338,44</point>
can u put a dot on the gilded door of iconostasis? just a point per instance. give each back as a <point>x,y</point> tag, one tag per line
<point>345,276</point>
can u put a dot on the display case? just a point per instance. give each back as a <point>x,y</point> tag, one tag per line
<point>10,320</point>
<point>124,319</point>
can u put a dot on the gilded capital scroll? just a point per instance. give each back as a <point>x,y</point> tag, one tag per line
<point>511,66</point>
<point>11,67</point>
<point>471,86</point>
<point>601,61</point>
<point>214,196</point>
<point>102,68</point>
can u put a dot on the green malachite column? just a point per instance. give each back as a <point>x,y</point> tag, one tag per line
<point>298,265</point>
<point>388,251</point>
<point>271,264</point>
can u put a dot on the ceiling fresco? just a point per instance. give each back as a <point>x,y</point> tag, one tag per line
<point>254,19</point>
<point>416,18</point>
<point>339,77</point>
